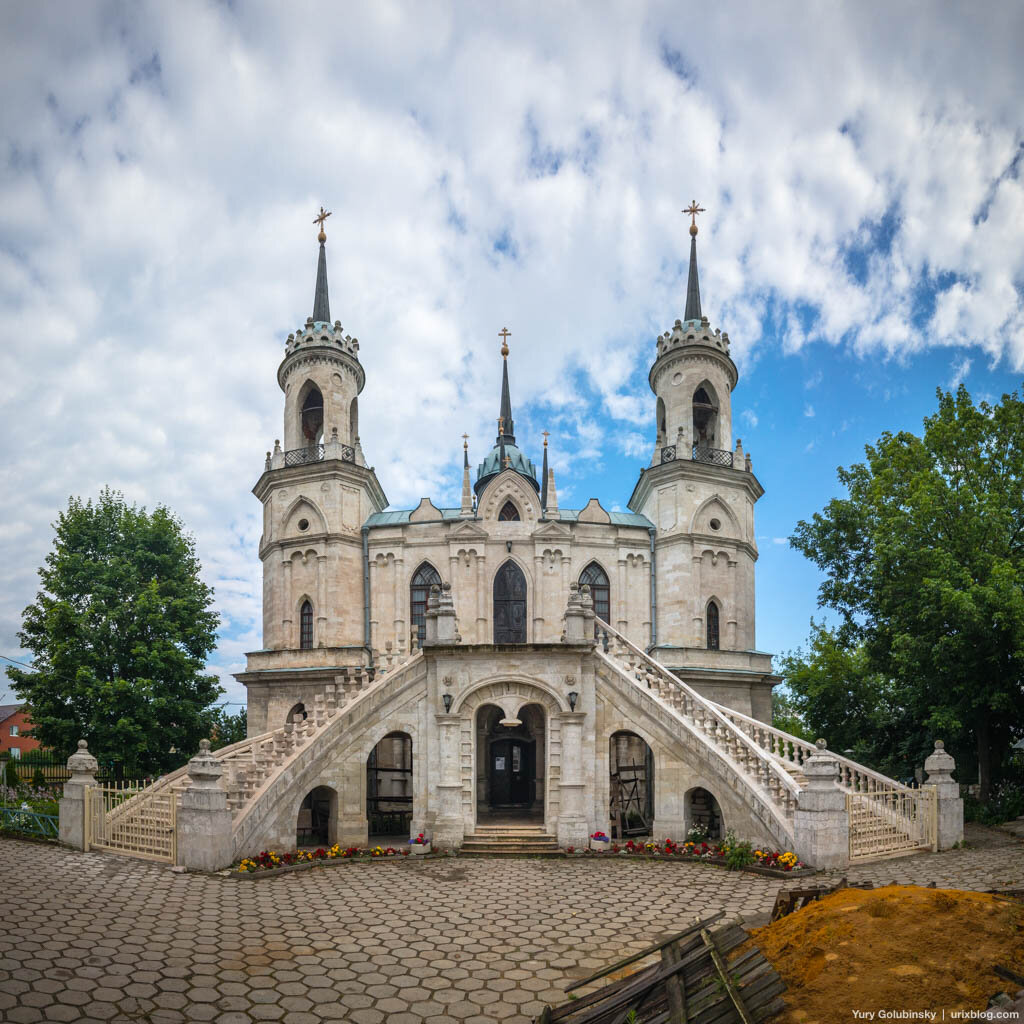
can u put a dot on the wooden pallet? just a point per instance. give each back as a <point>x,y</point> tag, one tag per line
<point>789,900</point>
<point>692,983</point>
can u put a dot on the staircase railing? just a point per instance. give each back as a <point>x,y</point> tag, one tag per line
<point>706,718</point>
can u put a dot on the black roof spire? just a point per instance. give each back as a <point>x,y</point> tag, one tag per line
<point>692,284</point>
<point>321,301</point>
<point>544,479</point>
<point>507,427</point>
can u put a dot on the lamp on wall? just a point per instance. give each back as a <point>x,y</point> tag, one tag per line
<point>447,698</point>
<point>573,697</point>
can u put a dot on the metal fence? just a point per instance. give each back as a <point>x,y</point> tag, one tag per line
<point>31,823</point>
<point>891,822</point>
<point>126,818</point>
<point>54,769</point>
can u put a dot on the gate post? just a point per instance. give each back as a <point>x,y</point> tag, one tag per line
<point>73,806</point>
<point>949,808</point>
<point>821,825</point>
<point>204,821</point>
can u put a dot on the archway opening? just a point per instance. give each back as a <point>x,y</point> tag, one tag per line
<point>389,786</point>
<point>317,821</point>
<point>312,416</point>
<point>511,758</point>
<point>703,815</point>
<point>298,709</point>
<point>631,804</point>
<point>705,417</point>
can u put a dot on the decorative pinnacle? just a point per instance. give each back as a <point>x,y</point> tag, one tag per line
<point>504,334</point>
<point>693,209</point>
<point>319,219</point>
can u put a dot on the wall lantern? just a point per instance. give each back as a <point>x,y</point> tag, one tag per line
<point>447,698</point>
<point>573,697</point>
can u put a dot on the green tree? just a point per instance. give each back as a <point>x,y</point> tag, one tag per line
<point>120,634</point>
<point>924,561</point>
<point>786,717</point>
<point>228,729</point>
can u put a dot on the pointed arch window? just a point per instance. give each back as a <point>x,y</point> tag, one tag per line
<point>306,626</point>
<point>419,592</point>
<point>509,513</point>
<point>712,626</point>
<point>312,416</point>
<point>510,605</point>
<point>600,592</point>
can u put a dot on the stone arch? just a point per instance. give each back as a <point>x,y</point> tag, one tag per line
<point>309,408</point>
<point>306,621</point>
<point>713,624</point>
<point>423,577</point>
<point>510,693</point>
<point>702,807</point>
<point>509,485</point>
<point>303,508</point>
<point>390,784</point>
<point>353,421</point>
<point>297,709</point>
<point>705,405</point>
<point>661,422</point>
<point>511,611</point>
<point>707,510</point>
<point>632,767</point>
<point>509,512</point>
<point>597,577</point>
<point>316,817</point>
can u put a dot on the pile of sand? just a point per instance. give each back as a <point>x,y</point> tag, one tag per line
<point>896,948</point>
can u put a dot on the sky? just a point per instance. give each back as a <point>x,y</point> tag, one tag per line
<point>519,165</point>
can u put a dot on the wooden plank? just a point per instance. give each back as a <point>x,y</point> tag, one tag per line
<point>730,987</point>
<point>1005,972</point>
<point>656,948</point>
<point>674,990</point>
<point>599,994</point>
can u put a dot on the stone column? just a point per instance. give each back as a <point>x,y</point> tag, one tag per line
<point>449,825</point>
<point>821,826</point>
<point>575,617</point>
<point>72,808</point>
<point>204,821</point>
<point>375,641</point>
<point>287,640</point>
<point>538,598</point>
<point>621,597</point>
<point>481,600</point>
<point>321,600</point>
<point>444,630</point>
<point>732,619</point>
<point>573,828</point>
<point>949,807</point>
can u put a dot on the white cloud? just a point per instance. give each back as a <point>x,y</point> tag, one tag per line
<point>809,411</point>
<point>960,367</point>
<point>164,163</point>
<point>749,417</point>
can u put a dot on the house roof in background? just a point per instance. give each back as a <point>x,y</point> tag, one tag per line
<point>6,710</point>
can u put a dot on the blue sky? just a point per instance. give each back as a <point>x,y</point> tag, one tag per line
<point>522,165</point>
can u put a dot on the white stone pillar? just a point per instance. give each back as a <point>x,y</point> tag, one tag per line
<point>321,601</point>
<point>481,599</point>
<point>72,808</point>
<point>204,821</point>
<point>949,806</point>
<point>538,598</point>
<point>572,829</point>
<point>731,631</point>
<point>449,826</point>
<point>698,637</point>
<point>400,635</point>
<point>374,602</point>
<point>287,640</point>
<point>621,597</point>
<point>821,825</point>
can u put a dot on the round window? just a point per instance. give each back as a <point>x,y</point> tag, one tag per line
<point>677,378</point>
<point>715,524</point>
<point>303,524</point>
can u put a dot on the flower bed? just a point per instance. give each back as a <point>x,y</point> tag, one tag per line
<point>270,862</point>
<point>773,863</point>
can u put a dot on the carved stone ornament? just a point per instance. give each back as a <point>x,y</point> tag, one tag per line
<point>204,769</point>
<point>82,764</point>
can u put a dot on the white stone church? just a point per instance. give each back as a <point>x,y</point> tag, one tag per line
<point>510,674</point>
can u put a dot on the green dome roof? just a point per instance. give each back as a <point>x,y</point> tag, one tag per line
<point>491,466</point>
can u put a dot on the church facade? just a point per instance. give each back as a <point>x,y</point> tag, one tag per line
<point>506,660</point>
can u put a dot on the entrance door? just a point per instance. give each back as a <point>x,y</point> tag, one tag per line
<point>510,605</point>
<point>511,771</point>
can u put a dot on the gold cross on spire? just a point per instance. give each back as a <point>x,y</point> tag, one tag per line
<point>319,219</point>
<point>693,209</point>
<point>465,440</point>
<point>546,436</point>
<point>504,334</point>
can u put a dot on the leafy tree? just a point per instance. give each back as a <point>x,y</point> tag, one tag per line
<point>786,717</point>
<point>120,634</point>
<point>924,561</point>
<point>228,729</point>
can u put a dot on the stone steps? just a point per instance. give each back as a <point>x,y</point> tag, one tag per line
<point>510,841</point>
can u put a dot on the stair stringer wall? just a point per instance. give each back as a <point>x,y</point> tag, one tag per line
<point>682,761</point>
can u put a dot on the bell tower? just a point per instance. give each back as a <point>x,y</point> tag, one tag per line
<point>317,492</point>
<point>699,491</point>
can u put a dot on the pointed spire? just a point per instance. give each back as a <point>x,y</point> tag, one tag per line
<point>321,301</point>
<point>692,284</point>
<point>506,427</point>
<point>552,505</point>
<point>544,479</point>
<point>467,490</point>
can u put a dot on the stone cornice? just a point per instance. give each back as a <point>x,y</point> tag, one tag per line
<point>327,469</point>
<point>687,469</point>
<point>320,354</point>
<point>690,354</point>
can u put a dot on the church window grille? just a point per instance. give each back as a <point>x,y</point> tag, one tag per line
<point>419,593</point>
<point>509,513</point>
<point>306,626</point>
<point>600,592</point>
<point>712,626</point>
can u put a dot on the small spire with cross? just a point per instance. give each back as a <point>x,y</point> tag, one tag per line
<point>546,436</point>
<point>504,334</point>
<point>465,440</point>
<point>693,209</point>
<point>319,219</point>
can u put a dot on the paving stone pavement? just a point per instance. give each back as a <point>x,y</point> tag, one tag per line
<point>94,937</point>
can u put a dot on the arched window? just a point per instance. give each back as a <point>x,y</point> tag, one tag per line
<point>712,626</point>
<point>419,591</point>
<point>313,416</point>
<point>600,593</point>
<point>509,513</point>
<point>662,426</point>
<point>306,626</point>
<point>705,416</point>
<point>510,605</point>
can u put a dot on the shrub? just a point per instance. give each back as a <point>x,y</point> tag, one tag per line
<point>739,856</point>
<point>11,775</point>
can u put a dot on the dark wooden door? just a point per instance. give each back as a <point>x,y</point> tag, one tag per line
<point>510,605</point>
<point>511,771</point>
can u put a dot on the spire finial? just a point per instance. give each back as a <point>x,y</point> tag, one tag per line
<point>693,209</point>
<point>546,436</point>
<point>504,334</point>
<point>319,219</point>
